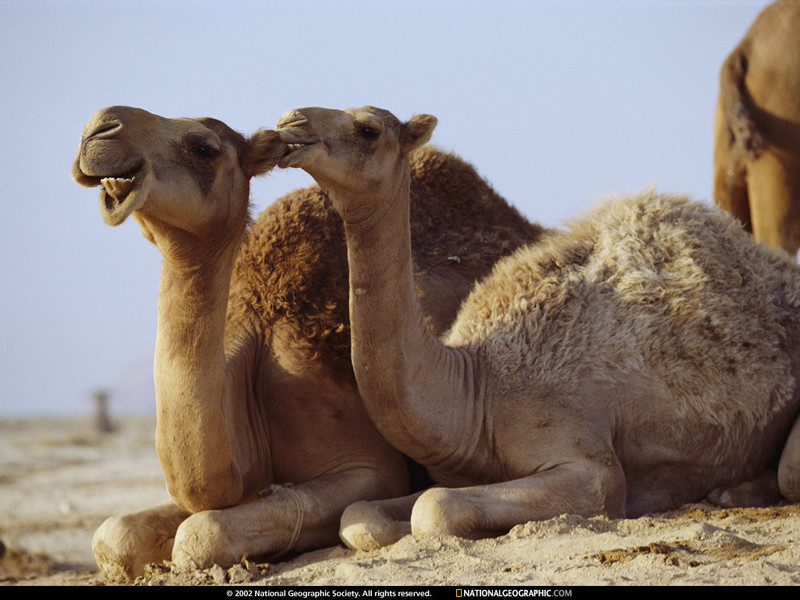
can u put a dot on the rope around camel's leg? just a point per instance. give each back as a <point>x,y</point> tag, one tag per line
<point>298,524</point>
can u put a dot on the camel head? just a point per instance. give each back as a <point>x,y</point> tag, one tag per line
<point>192,174</point>
<point>350,152</point>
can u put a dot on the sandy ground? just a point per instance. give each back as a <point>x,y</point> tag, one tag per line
<point>59,479</point>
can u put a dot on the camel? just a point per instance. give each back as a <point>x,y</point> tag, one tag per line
<point>261,432</point>
<point>757,129</point>
<point>642,357</point>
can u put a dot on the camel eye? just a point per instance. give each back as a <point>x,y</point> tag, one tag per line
<point>367,132</point>
<point>202,145</point>
<point>205,151</point>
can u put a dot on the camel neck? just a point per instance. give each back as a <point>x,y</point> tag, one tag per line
<point>192,389</point>
<point>398,363</point>
<point>192,304</point>
<point>193,295</point>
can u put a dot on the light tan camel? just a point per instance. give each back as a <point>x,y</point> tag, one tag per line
<point>254,385</point>
<point>757,129</point>
<point>644,357</point>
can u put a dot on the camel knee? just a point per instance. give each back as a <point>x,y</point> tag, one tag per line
<point>442,511</point>
<point>122,548</point>
<point>368,526</point>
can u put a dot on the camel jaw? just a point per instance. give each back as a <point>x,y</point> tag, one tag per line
<point>297,149</point>
<point>294,157</point>
<point>121,195</point>
<point>119,198</point>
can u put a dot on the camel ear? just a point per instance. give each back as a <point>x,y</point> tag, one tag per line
<point>417,132</point>
<point>262,153</point>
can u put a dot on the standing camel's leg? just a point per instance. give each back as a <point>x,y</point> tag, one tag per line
<point>789,465</point>
<point>122,546</point>
<point>730,178</point>
<point>775,201</point>
<point>371,525</point>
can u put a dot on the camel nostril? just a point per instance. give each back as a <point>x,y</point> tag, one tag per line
<point>293,118</point>
<point>104,130</point>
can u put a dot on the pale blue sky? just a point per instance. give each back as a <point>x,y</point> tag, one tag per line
<point>555,102</point>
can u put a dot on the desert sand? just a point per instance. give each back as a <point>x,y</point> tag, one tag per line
<point>60,478</point>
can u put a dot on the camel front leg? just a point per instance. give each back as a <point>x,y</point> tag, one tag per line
<point>730,175</point>
<point>123,546</point>
<point>585,488</point>
<point>286,518</point>
<point>775,212</point>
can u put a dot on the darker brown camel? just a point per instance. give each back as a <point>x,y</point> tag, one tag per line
<point>646,356</point>
<point>757,129</point>
<point>261,432</point>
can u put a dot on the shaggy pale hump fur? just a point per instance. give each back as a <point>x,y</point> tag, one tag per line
<point>655,289</point>
<point>261,432</point>
<point>643,357</point>
<point>757,128</point>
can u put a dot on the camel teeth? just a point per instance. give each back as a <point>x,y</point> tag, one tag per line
<point>118,187</point>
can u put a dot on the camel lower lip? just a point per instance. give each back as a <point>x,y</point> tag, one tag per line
<point>114,204</point>
<point>115,210</point>
<point>120,196</point>
<point>291,158</point>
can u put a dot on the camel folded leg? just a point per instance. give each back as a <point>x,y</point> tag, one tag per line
<point>582,487</point>
<point>762,490</point>
<point>286,518</point>
<point>769,487</point>
<point>789,465</point>
<point>123,546</point>
<point>371,525</point>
